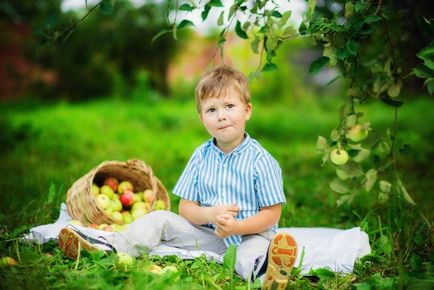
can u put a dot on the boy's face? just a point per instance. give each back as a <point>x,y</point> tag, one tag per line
<point>225,119</point>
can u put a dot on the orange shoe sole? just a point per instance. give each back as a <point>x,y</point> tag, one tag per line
<point>71,243</point>
<point>281,258</point>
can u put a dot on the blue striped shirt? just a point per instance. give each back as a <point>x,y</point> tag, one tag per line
<point>248,176</point>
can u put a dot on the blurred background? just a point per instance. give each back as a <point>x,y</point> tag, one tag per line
<point>108,92</point>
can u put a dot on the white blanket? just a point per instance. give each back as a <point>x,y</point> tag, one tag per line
<point>334,249</point>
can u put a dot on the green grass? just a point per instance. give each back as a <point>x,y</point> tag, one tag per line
<point>50,146</point>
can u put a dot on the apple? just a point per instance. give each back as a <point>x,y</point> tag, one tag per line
<point>138,212</point>
<point>103,201</point>
<point>169,269</point>
<point>125,185</point>
<point>101,226</point>
<point>127,198</point>
<point>141,204</point>
<point>136,198</point>
<point>148,196</point>
<point>108,211</point>
<point>126,217</point>
<point>7,261</point>
<point>107,190</point>
<point>339,157</point>
<point>95,189</point>
<point>76,223</point>
<point>117,216</point>
<point>112,182</point>
<point>357,133</point>
<point>155,269</point>
<point>124,259</point>
<point>93,226</point>
<point>159,204</point>
<point>116,205</point>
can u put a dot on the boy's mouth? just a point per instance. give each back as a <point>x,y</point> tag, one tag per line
<point>224,127</point>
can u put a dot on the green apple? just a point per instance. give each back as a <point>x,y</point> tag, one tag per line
<point>117,216</point>
<point>126,217</point>
<point>107,190</point>
<point>136,198</point>
<point>159,204</point>
<point>138,212</point>
<point>169,269</point>
<point>357,133</point>
<point>7,261</point>
<point>103,201</point>
<point>124,259</point>
<point>141,204</point>
<point>125,185</point>
<point>339,157</point>
<point>95,189</point>
<point>116,205</point>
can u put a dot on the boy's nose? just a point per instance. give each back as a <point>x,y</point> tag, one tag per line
<point>221,117</point>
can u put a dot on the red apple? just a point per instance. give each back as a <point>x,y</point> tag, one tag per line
<point>112,182</point>
<point>127,198</point>
<point>125,185</point>
<point>93,226</point>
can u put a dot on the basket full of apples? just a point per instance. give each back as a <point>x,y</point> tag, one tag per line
<point>115,193</point>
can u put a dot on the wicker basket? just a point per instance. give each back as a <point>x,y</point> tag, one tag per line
<point>81,203</point>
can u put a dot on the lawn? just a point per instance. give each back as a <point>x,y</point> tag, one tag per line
<point>46,147</point>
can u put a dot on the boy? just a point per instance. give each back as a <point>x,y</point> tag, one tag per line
<point>231,193</point>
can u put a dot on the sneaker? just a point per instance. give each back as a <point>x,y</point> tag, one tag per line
<point>281,258</point>
<point>71,242</point>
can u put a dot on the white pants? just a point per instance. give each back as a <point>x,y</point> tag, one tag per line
<point>164,227</point>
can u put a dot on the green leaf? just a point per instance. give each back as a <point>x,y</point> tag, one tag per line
<point>186,7</point>
<point>323,273</point>
<point>285,17</point>
<point>276,14</point>
<point>159,34</point>
<point>240,32</point>
<point>371,178</point>
<point>352,47</point>
<point>337,186</point>
<point>205,12</point>
<point>51,193</point>
<point>342,174</point>
<point>255,44</point>
<point>106,7</point>
<point>302,29</point>
<point>311,4</point>
<point>184,23</point>
<point>362,155</point>
<point>330,52</point>
<point>229,260</point>
<point>220,20</point>
<point>318,64</point>
<point>421,71</point>
<point>232,10</point>
<point>341,53</point>
<point>321,144</point>
<point>269,66</point>
<point>389,101</point>
<point>351,120</point>
<point>401,188</point>
<point>215,3</point>
<point>430,85</point>
<point>372,19</point>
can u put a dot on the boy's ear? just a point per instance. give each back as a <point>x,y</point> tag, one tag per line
<point>248,111</point>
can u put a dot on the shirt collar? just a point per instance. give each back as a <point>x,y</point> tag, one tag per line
<point>240,148</point>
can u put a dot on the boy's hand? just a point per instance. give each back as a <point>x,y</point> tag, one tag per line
<point>227,225</point>
<point>219,210</point>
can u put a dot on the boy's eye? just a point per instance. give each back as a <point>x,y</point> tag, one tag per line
<point>210,110</point>
<point>230,106</point>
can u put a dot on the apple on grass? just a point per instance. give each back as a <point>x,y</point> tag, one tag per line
<point>124,259</point>
<point>125,185</point>
<point>103,201</point>
<point>112,182</point>
<point>339,157</point>
<point>7,261</point>
<point>127,198</point>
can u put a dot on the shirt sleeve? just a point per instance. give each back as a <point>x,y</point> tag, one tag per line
<point>186,186</point>
<point>269,182</point>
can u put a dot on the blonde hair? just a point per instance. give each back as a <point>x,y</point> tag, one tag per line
<point>217,81</point>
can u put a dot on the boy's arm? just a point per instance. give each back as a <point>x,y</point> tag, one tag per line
<point>263,220</point>
<point>198,215</point>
